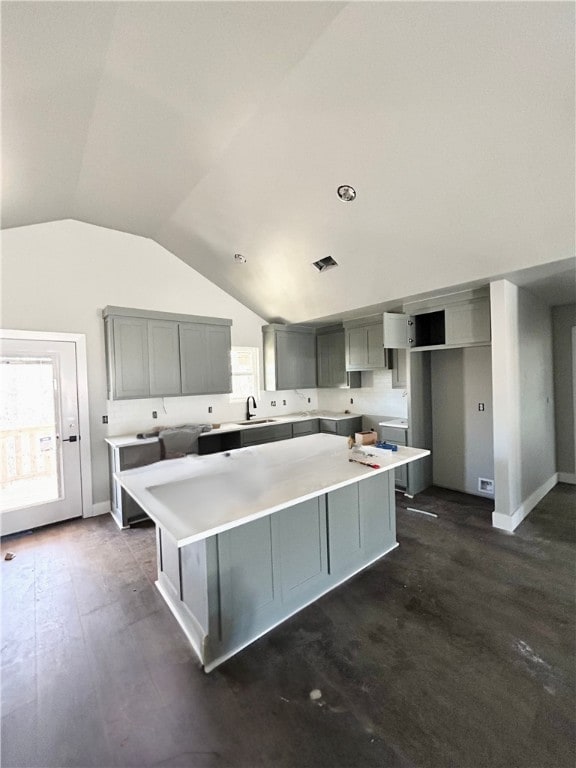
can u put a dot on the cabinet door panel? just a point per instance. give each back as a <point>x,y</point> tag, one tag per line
<point>164,357</point>
<point>306,360</point>
<point>375,335</point>
<point>286,360</point>
<point>219,378</point>
<point>376,514</point>
<point>468,323</point>
<point>301,540</point>
<point>396,327</point>
<point>356,348</point>
<point>344,530</point>
<point>245,569</point>
<point>192,358</point>
<point>131,373</point>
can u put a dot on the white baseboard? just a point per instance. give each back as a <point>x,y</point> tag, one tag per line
<point>511,522</point>
<point>567,477</point>
<point>101,508</point>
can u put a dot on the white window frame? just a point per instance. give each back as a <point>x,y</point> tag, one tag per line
<point>253,352</point>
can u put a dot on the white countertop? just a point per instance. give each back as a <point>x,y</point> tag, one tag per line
<point>396,423</point>
<point>199,496</point>
<point>121,441</point>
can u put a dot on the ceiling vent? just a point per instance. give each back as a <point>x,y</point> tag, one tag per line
<point>325,264</point>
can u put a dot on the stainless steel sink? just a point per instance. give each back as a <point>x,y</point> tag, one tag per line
<point>256,421</point>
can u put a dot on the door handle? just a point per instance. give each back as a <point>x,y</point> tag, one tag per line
<point>71,439</point>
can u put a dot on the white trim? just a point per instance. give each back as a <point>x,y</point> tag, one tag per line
<point>79,339</point>
<point>511,522</point>
<point>567,477</point>
<point>187,621</point>
<point>100,508</point>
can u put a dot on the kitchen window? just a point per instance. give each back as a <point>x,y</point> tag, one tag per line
<point>245,379</point>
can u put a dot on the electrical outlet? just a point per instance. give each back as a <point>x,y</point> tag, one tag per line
<point>351,401</point>
<point>273,402</point>
<point>309,400</point>
<point>480,406</point>
<point>283,402</point>
<point>209,409</point>
<point>104,419</point>
<point>154,414</point>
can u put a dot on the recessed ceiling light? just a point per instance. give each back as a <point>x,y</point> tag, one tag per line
<point>346,193</point>
<point>239,259</point>
<point>325,264</point>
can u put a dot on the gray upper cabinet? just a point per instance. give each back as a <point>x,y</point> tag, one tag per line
<point>364,344</point>
<point>128,369</point>
<point>331,360</point>
<point>158,354</point>
<point>457,321</point>
<point>289,357</point>
<point>205,358</point>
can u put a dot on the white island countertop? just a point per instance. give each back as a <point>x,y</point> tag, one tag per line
<point>199,496</point>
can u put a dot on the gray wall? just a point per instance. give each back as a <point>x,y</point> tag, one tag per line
<point>536,394</point>
<point>462,447</point>
<point>563,320</point>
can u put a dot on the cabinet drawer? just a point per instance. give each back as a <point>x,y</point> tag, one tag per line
<point>300,428</point>
<point>266,434</point>
<point>393,435</point>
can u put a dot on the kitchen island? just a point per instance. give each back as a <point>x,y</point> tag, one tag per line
<point>247,538</point>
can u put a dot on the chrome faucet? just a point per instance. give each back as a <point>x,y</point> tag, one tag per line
<point>248,414</point>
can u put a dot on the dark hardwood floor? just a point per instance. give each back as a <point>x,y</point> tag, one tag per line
<point>455,651</point>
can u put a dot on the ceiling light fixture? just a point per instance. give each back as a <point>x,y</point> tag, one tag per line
<point>239,259</point>
<point>346,193</point>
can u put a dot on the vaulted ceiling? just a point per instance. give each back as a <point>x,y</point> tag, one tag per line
<point>218,128</point>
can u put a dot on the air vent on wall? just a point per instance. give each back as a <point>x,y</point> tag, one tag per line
<point>325,264</point>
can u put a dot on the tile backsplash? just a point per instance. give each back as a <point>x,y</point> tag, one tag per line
<point>375,396</point>
<point>127,417</point>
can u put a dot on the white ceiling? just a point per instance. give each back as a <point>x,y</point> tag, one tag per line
<point>224,127</point>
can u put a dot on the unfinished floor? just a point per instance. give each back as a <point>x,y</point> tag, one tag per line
<point>455,650</point>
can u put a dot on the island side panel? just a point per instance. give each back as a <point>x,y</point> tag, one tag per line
<point>229,589</point>
<point>184,574</point>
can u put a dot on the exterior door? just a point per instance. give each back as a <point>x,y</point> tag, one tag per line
<point>40,478</point>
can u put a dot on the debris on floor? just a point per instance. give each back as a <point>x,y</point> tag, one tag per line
<point>9,555</point>
<point>315,694</point>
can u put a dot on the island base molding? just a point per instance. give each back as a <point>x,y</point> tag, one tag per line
<point>228,590</point>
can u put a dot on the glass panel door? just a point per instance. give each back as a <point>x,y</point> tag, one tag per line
<point>30,461</point>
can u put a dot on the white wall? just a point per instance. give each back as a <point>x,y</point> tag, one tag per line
<point>522,387</point>
<point>59,276</point>
<point>462,440</point>
<point>563,325</point>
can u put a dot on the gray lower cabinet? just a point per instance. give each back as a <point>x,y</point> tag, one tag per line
<point>233,587</point>
<point>343,427</point>
<point>124,509</point>
<point>361,523</point>
<point>289,357</point>
<point>260,435</point>
<point>301,428</point>
<point>158,354</point>
<point>396,437</point>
